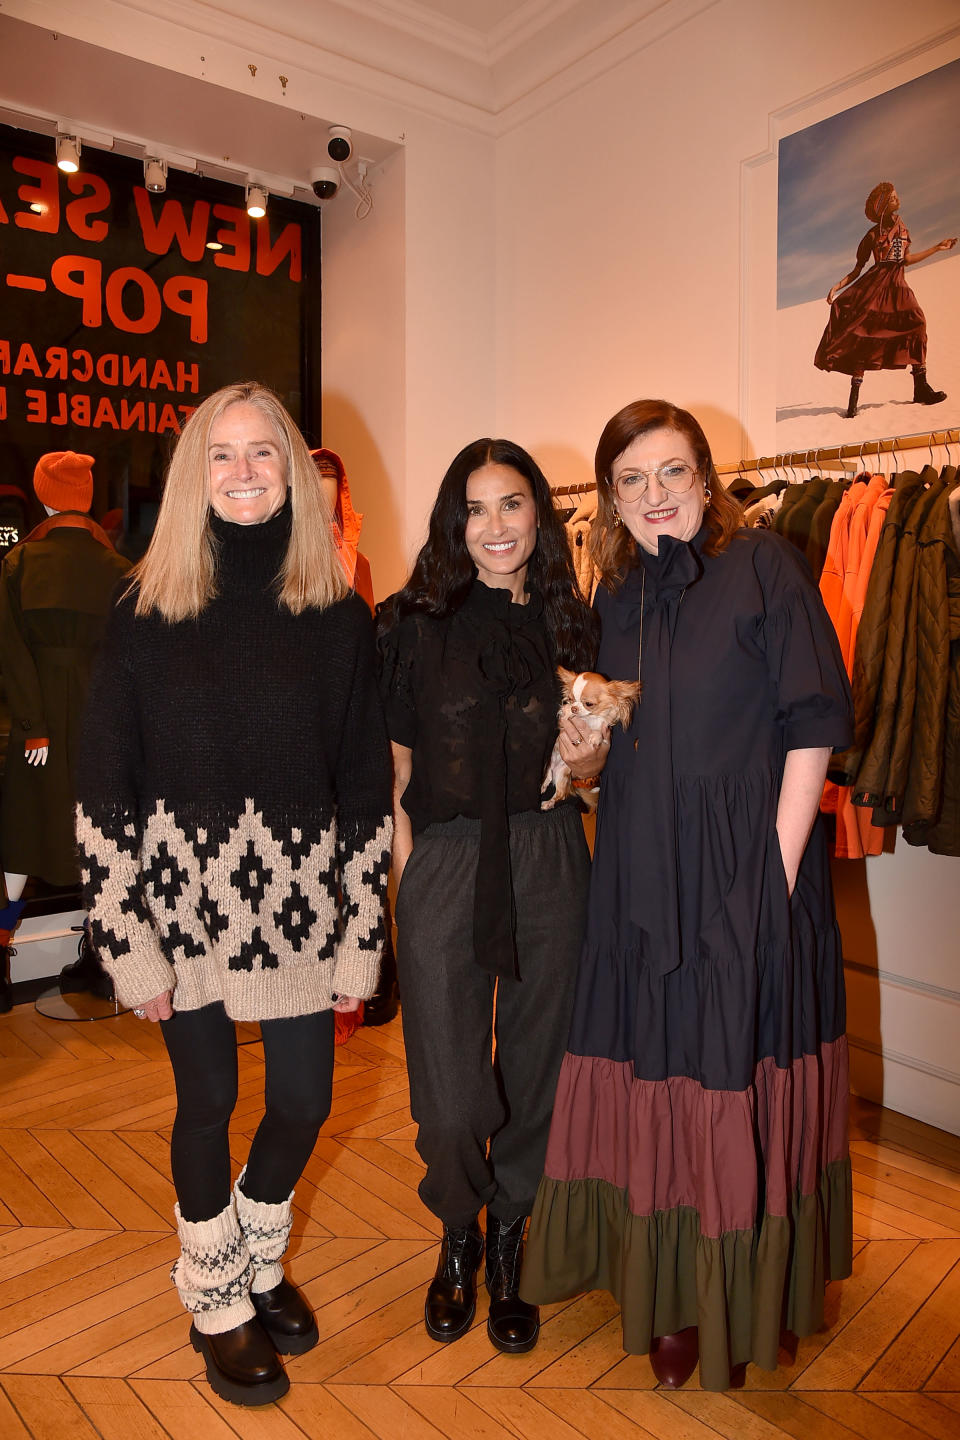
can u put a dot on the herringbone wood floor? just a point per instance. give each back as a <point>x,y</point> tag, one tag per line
<point>93,1341</point>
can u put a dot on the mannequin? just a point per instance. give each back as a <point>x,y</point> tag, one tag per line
<point>345,524</point>
<point>56,588</point>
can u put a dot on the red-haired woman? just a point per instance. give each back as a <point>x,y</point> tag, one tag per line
<point>697,1166</point>
<point>876,323</point>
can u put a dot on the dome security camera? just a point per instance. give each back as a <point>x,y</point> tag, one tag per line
<point>340,144</point>
<point>324,181</point>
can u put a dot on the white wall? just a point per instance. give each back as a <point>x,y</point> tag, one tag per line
<point>636,255</point>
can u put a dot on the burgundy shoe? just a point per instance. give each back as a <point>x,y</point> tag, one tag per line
<point>242,1365</point>
<point>287,1318</point>
<point>674,1357</point>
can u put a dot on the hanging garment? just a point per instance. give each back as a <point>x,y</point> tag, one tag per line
<point>931,803</point>
<point>895,697</point>
<point>876,323</point>
<point>820,525</point>
<point>796,523</point>
<point>791,496</point>
<point>872,633</point>
<point>853,542</point>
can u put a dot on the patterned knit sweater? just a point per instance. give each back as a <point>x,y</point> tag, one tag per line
<point>234,796</point>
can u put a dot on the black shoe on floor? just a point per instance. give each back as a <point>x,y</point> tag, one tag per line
<point>86,976</point>
<point>287,1318</point>
<point>452,1297</point>
<point>512,1324</point>
<point>242,1365</point>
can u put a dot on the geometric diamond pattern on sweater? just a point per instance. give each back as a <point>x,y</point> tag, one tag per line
<point>253,901</point>
<point>295,918</point>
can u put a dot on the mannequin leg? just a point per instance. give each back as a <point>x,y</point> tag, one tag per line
<point>9,920</point>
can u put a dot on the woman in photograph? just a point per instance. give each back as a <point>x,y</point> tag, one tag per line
<point>876,322</point>
<point>697,1166</point>
<point>234,824</point>
<point>492,889</point>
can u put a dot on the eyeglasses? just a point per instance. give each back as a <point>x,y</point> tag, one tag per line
<point>676,476</point>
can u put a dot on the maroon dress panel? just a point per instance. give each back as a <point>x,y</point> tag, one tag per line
<point>876,323</point>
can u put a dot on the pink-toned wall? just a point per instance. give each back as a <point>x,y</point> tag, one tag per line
<point>530,271</point>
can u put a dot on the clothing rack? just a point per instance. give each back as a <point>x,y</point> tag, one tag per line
<point>927,439</point>
<point>583,489</point>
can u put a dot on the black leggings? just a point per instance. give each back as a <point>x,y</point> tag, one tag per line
<point>298,1087</point>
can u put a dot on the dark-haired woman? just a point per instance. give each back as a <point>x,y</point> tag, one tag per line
<point>697,1166</point>
<point>492,890</point>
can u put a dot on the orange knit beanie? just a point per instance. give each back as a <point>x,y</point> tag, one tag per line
<point>63,480</point>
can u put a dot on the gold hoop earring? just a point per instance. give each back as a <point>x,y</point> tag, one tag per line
<point>707,495</point>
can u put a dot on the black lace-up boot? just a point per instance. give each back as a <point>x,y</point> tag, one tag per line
<point>512,1324</point>
<point>923,391</point>
<point>452,1296</point>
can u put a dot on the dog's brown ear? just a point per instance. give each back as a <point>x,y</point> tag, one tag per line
<point>626,693</point>
<point>567,678</point>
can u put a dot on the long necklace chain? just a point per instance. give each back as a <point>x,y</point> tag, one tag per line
<point>643,591</point>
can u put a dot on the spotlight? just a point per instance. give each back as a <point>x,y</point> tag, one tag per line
<point>214,245</point>
<point>155,175</point>
<point>68,153</point>
<point>256,202</point>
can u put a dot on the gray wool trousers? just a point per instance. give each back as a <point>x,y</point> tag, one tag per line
<point>483,1118</point>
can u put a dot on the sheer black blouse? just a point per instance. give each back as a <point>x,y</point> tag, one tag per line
<point>475,696</point>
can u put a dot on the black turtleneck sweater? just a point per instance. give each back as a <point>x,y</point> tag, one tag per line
<point>234,796</point>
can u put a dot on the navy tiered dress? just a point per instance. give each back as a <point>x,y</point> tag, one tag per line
<point>698,1166</point>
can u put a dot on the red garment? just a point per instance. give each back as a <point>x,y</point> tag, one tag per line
<point>843,585</point>
<point>876,323</point>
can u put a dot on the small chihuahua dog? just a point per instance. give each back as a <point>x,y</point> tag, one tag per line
<point>597,701</point>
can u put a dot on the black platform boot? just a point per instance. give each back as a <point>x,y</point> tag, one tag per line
<point>512,1324</point>
<point>86,976</point>
<point>452,1296</point>
<point>855,383</point>
<point>923,391</point>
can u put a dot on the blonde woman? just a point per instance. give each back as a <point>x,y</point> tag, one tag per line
<point>234,801</point>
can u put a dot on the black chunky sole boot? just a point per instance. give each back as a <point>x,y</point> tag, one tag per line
<point>287,1318</point>
<point>242,1365</point>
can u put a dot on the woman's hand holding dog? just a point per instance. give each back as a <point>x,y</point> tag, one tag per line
<point>583,749</point>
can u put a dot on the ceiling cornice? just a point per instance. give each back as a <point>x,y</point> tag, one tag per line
<point>399,51</point>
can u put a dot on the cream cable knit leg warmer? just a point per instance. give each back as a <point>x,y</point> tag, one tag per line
<point>214,1272</point>
<point>266,1229</point>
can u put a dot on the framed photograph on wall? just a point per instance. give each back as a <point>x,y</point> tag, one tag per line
<point>868,269</point>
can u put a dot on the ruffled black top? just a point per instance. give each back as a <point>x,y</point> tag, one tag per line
<point>475,695</point>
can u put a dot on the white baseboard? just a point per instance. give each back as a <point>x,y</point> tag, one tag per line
<point>44,944</point>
